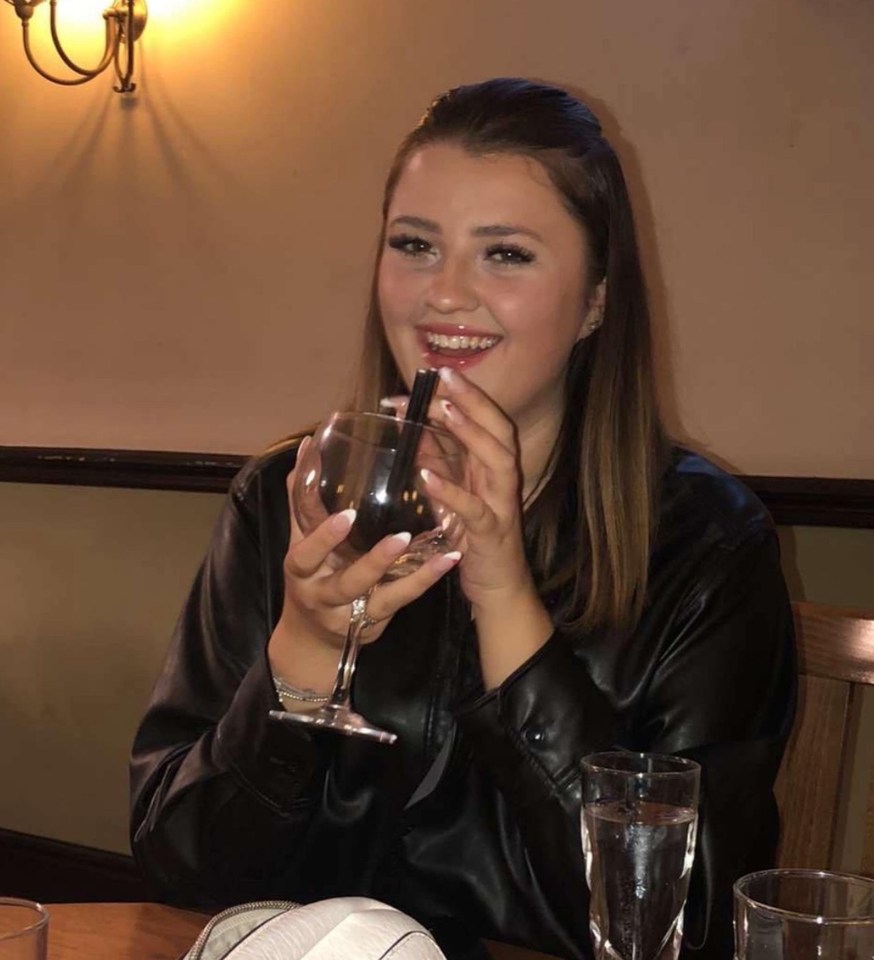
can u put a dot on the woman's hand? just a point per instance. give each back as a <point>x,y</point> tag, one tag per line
<point>494,563</point>
<point>512,623</point>
<point>319,590</point>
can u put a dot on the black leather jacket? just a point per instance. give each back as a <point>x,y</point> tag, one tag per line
<point>230,806</point>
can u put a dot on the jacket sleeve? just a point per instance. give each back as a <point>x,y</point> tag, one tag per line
<point>219,791</point>
<point>720,690</point>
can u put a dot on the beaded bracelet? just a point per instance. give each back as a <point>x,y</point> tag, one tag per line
<point>285,691</point>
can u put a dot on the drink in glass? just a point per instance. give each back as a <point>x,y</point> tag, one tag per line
<point>639,820</point>
<point>362,461</point>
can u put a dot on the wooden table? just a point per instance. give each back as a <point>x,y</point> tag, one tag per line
<point>121,931</point>
<point>150,931</point>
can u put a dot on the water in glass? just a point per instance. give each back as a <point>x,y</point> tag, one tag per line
<point>638,860</point>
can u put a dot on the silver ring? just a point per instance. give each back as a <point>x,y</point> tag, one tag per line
<point>367,621</point>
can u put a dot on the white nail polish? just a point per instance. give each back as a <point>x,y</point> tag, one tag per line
<point>446,374</point>
<point>400,539</point>
<point>346,517</point>
<point>450,411</point>
<point>448,560</point>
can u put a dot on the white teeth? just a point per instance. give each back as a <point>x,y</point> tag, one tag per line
<point>441,341</point>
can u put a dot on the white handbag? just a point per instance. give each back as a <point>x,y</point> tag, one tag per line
<point>346,928</point>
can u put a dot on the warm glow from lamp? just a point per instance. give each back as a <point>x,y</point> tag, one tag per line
<point>120,25</point>
<point>188,20</point>
<point>80,23</point>
<point>75,15</point>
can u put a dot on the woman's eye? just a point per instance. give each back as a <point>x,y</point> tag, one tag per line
<point>409,245</point>
<point>509,254</point>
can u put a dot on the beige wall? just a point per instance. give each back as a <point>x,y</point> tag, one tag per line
<point>91,582</point>
<point>186,269</point>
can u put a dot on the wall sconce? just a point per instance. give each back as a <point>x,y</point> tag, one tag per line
<point>125,21</point>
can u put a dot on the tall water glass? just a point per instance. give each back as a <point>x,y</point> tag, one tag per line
<point>24,927</point>
<point>639,820</point>
<point>803,915</point>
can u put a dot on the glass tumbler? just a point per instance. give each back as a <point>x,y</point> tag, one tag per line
<point>24,927</point>
<point>803,915</point>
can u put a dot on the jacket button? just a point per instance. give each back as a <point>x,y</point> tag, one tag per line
<point>534,734</point>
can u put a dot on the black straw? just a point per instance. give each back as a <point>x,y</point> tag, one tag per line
<point>414,418</point>
<point>378,519</point>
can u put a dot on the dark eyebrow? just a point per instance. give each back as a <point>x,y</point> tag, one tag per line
<point>419,222</point>
<point>493,230</point>
<point>506,230</point>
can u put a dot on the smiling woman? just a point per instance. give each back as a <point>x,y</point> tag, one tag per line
<point>482,247</point>
<point>612,589</point>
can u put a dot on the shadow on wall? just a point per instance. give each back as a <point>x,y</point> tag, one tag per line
<point>127,163</point>
<point>644,221</point>
<point>789,562</point>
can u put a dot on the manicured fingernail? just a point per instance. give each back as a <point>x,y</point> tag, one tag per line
<point>397,541</point>
<point>451,411</point>
<point>430,478</point>
<point>392,404</point>
<point>447,375</point>
<point>447,561</point>
<point>343,521</point>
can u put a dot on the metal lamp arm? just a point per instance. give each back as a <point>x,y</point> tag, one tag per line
<point>127,34</point>
<point>125,21</point>
<point>67,82</point>
<point>112,32</point>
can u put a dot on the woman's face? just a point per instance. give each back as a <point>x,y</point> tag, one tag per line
<point>484,270</point>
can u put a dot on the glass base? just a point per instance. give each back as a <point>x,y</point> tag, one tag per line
<point>342,719</point>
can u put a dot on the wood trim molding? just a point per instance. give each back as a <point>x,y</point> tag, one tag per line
<point>806,501</point>
<point>139,469</point>
<point>816,501</point>
<point>53,871</point>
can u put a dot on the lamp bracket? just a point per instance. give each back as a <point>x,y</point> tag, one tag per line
<point>119,11</point>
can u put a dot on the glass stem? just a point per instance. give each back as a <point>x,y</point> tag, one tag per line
<point>349,656</point>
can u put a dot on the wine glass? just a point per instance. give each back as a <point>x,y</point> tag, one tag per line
<point>639,819</point>
<point>372,463</point>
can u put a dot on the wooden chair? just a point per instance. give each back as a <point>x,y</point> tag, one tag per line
<point>836,654</point>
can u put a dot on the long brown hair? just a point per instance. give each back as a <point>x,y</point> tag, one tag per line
<point>610,452</point>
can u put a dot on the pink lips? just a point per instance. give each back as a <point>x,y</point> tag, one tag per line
<point>459,357</point>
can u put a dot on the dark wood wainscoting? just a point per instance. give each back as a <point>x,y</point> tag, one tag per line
<point>52,871</point>
<point>806,501</point>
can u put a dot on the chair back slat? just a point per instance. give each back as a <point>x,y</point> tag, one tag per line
<point>809,784</point>
<point>834,642</point>
<point>836,657</point>
<point>868,846</point>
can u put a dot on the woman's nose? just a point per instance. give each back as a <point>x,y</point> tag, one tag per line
<point>452,288</point>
